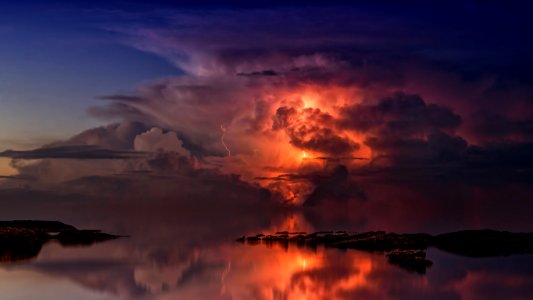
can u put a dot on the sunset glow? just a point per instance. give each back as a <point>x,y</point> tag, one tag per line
<point>266,150</point>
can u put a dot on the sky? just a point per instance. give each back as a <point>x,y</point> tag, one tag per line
<point>56,60</point>
<point>337,103</point>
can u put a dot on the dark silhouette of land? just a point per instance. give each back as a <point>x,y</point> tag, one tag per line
<point>23,239</point>
<point>407,251</point>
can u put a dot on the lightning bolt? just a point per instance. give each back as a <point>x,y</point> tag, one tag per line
<point>225,274</point>
<point>222,139</point>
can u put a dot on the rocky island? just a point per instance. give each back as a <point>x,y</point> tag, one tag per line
<point>407,251</point>
<point>23,239</point>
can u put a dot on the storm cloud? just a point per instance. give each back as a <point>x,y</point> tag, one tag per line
<point>298,94</point>
<point>70,152</point>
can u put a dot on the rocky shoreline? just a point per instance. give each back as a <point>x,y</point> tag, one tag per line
<point>23,239</point>
<point>407,251</point>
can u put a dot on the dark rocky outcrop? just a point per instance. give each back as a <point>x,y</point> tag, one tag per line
<point>20,243</point>
<point>47,226</point>
<point>408,251</point>
<point>382,241</point>
<point>484,242</point>
<point>23,239</point>
<point>410,260</point>
<point>83,237</point>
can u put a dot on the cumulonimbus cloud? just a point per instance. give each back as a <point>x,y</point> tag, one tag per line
<point>297,98</point>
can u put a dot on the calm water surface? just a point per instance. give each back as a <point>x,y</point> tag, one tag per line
<point>191,254</point>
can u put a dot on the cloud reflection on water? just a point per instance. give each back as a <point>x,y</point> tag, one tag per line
<point>177,256</point>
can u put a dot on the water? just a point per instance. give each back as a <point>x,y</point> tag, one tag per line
<point>190,253</point>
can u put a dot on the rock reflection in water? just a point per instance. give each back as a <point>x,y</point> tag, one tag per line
<point>23,239</point>
<point>169,257</point>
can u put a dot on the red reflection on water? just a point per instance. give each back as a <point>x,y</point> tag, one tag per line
<point>275,272</point>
